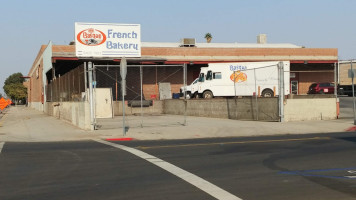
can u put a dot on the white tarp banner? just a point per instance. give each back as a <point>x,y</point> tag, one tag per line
<point>107,40</point>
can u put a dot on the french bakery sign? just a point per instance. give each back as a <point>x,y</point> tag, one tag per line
<point>107,40</point>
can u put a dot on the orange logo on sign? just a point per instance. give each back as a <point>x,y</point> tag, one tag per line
<point>91,37</point>
<point>238,77</point>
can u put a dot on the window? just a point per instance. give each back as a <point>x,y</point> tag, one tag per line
<point>209,75</point>
<point>217,75</point>
<point>324,84</point>
<point>201,77</point>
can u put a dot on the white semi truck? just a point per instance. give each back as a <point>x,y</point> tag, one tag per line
<point>242,79</point>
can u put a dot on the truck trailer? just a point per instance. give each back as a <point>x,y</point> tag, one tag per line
<point>242,79</point>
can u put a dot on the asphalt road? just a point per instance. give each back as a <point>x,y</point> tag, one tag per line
<point>285,167</point>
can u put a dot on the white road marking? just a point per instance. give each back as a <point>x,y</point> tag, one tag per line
<point>195,180</point>
<point>1,146</point>
<point>350,176</point>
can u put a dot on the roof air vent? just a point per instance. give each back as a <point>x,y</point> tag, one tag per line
<point>187,42</point>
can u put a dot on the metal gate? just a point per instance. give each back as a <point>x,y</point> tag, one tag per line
<point>147,87</point>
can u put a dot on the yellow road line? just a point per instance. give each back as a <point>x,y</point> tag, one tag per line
<point>237,142</point>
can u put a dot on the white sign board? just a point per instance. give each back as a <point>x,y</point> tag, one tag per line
<point>107,40</point>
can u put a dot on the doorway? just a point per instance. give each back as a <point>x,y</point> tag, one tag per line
<point>294,87</point>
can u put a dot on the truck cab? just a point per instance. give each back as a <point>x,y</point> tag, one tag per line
<point>190,90</point>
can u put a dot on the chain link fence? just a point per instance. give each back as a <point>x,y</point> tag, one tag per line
<point>242,91</point>
<point>147,86</point>
<point>150,88</point>
<point>68,87</point>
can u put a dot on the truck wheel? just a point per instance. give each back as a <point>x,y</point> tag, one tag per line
<point>207,95</point>
<point>267,93</point>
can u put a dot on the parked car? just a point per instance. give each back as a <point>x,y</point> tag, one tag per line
<point>321,88</point>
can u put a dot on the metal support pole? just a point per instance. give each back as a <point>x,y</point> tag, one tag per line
<point>185,93</point>
<point>335,81</point>
<point>123,72</point>
<point>234,85</point>
<point>335,88</point>
<point>353,91</point>
<point>123,111</point>
<point>254,71</point>
<point>90,77</point>
<point>94,94</point>
<point>141,96</point>
<point>85,79</point>
<point>281,91</point>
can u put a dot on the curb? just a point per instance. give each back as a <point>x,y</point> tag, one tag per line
<point>119,139</point>
<point>351,129</point>
<point>2,119</point>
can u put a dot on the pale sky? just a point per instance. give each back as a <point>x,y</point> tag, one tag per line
<point>27,24</point>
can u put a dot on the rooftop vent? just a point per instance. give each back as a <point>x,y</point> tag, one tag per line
<point>261,39</point>
<point>187,42</point>
<point>72,43</point>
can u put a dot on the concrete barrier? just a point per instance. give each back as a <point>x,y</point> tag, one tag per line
<point>265,109</point>
<point>310,109</point>
<point>77,113</point>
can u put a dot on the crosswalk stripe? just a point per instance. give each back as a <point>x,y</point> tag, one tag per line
<point>195,180</point>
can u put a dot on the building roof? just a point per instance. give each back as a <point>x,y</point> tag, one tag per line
<point>222,52</point>
<point>220,45</point>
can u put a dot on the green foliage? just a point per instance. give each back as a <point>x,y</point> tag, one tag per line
<point>14,88</point>
<point>208,37</point>
<point>0,95</point>
<point>14,78</point>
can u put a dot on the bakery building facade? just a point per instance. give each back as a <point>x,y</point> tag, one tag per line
<point>59,75</point>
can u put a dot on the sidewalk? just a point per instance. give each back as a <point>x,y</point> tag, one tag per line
<point>21,124</point>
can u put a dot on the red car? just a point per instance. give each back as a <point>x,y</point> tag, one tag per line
<point>321,88</point>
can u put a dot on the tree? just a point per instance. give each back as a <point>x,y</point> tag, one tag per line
<point>14,88</point>
<point>14,78</point>
<point>0,95</point>
<point>208,37</point>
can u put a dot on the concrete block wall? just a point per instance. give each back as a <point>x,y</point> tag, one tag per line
<point>76,113</point>
<point>241,109</point>
<point>343,73</point>
<point>310,109</point>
